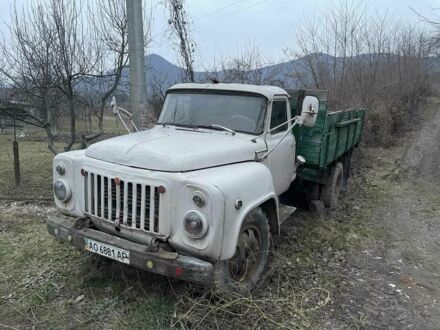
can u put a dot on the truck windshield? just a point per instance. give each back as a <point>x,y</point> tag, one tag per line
<point>242,113</point>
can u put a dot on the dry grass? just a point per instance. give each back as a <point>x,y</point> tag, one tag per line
<point>35,167</point>
<point>41,279</point>
<point>304,269</point>
<point>36,160</point>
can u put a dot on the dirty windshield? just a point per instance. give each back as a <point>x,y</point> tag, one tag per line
<point>241,113</point>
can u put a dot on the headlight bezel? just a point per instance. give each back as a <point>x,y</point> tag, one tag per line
<point>68,190</point>
<point>203,221</point>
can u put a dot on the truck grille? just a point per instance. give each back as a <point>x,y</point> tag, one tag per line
<point>135,205</point>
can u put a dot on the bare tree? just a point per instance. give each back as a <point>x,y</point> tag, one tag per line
<point>248,66</point>
<point>75,57</point>
<point>61,56</point>
<point>27,64</point>
<point>110,32</point>
<point>179,29</point>
<point>364,59</point>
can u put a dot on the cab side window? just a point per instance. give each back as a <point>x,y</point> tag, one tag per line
<point>279,116</point>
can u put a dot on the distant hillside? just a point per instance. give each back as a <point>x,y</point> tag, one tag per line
<point>164,74</point>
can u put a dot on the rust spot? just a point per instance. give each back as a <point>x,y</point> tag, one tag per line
<point>117,180</point>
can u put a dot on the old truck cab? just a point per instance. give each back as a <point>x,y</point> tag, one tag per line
<point>195,197</point>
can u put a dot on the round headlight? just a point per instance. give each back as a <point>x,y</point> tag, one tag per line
<point>199,199</point>
<point>195,225</point>
<point>60,169</point>
<point>61,190</point>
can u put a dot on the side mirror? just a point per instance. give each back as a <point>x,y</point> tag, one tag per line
<point>309,111</point>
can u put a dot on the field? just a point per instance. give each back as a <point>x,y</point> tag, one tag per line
<point>330,271</point>
<point>36,160</point>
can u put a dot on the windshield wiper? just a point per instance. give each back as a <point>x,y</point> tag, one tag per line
<point>179,125</point>
<point>213,126</point>
<point>218,127</point>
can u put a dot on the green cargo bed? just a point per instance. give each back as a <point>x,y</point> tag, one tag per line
<point>334,135</point>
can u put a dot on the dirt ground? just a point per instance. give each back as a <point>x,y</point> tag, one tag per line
<point>374,263</point>
<point>395,283</point>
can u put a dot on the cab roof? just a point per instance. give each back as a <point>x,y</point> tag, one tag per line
<point>267,91</point>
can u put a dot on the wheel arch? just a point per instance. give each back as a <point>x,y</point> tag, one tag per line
<point>270,209</point>
<point>269,206</point>
<point>244,187</point>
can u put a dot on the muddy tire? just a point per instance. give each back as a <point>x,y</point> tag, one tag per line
<point>330,192</point>
<point>241,273</point>
<point>347,166</point>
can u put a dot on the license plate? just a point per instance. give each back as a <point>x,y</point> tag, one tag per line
<point>108,251</point>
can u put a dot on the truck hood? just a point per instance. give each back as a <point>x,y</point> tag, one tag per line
<point>172,149</point>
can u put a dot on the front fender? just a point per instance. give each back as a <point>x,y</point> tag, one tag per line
<point>250,182</point>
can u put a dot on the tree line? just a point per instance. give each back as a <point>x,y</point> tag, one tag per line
<point>63,57</point>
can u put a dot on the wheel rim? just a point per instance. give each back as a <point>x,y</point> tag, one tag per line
<point>247,258</point>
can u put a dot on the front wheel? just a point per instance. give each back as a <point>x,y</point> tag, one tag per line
<point>242,272</point>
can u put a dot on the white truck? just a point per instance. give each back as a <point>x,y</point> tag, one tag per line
<point>195,197</point>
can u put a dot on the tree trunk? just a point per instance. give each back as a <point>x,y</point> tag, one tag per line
<point>49,125</point>
<point>101,117</point>
<point>72,124</point>
<point>50,139</point>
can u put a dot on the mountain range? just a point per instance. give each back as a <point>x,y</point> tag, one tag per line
<point>162,74</point>
<point>160,71</point>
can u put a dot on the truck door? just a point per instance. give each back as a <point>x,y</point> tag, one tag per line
<point>281,161</point>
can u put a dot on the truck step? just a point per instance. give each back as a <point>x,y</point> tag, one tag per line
<point>285,212</point>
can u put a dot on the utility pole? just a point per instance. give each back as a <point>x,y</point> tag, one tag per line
<point>138,86</point>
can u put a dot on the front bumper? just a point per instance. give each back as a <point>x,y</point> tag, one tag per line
<point>161,262</point>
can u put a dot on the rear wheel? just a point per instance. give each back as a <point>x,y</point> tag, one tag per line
<point>330,192</point>
<point>347,164</point>
<point>243,270</point>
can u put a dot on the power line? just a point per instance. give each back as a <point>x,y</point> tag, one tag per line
<point>234,13</point>
<point>218,10</point>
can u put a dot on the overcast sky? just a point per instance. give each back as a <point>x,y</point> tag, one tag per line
<point>222,28</point>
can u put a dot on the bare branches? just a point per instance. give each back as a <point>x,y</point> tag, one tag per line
<point>178,22</point>
<point>60,55</point>
<point>111,42</point>
<point>248,67</point>
<point>363,59</point>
